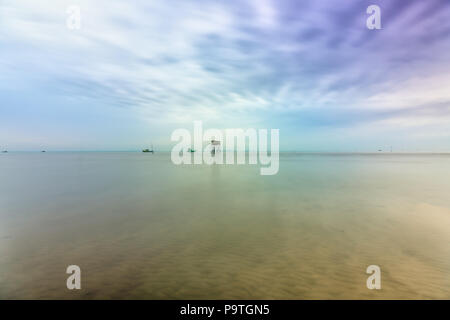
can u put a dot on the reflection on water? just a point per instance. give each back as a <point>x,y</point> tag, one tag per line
<point>141,227</point>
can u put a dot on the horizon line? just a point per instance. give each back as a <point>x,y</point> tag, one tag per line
<point>246,151</point>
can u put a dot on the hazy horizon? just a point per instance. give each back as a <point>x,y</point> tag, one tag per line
<point>281,151</point>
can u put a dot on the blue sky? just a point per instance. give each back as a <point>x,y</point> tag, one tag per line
<point>137,70</point>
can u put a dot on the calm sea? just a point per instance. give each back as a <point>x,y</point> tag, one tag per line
<point>140,227</point>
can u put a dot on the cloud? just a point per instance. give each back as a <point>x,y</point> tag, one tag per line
<point>236,61</point>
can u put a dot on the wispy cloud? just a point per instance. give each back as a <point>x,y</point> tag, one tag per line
<point>237,62</point>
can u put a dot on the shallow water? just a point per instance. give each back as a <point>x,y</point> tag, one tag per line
<point>142,228</point>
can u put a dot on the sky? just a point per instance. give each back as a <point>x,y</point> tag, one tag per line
<point>137,70</point>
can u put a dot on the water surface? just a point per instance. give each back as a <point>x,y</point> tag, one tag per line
<point>142,228</point>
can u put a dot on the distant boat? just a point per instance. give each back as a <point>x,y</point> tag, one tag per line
<point>43,151</point>
<point>4,151</point>
<point>148,150</point>
<point>191,150</point>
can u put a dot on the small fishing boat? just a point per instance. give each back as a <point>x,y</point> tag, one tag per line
<point>148,150</point>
